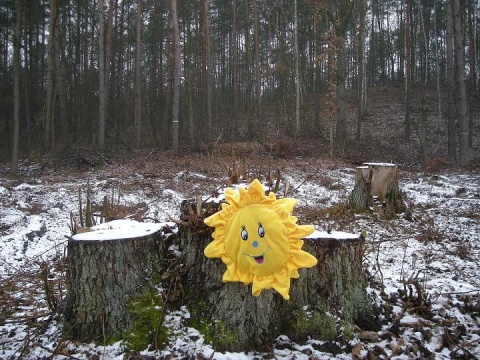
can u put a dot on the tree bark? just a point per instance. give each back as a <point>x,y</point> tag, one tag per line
<point>177,74</point>
<point>437,69</point>
<point>16,86</point>
<point>208,70</point>
<point>361,81</point>
<point>452,152</point>
<point>318,73</point>
<point>257,67</point>
<point>340,15</point>
<point>101,73</point>
<point>297,72</point>
<point>102,278</point>
<point>473,69</point>
<point>422,128</point>
<point>464,149</point>
<point>234,66</point>
<point>236,320</point>
<point>63,122</point>
<point>49,110</point>
<point>341,126</point>
<point>408,67</point>
<point>247,71</point>
<point>189,60</point>
<point>138,76</point>
<point>377,181</point>
<point>361,199</point>
<point>108,44</point>
<point>170,69</point>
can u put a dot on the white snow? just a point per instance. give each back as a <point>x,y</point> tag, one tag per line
<point>118,229</point>
<point>367,164</point>
<point>340,235</point>
<point>437,246</point>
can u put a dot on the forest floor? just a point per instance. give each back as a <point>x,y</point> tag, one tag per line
<point>423,266</point>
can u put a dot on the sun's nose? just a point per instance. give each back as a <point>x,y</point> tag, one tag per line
<point>255,243</point>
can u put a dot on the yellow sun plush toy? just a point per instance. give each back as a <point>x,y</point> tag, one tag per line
<point>258,239</point>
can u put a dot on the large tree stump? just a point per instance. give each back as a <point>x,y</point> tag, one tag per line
<point>106,269</point>
<point>376,184</point>
<point>236,320</point>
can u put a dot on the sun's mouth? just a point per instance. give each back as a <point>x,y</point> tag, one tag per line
<point>258,259</point>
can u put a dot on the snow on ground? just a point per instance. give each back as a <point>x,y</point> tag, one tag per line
<point>423,266</point>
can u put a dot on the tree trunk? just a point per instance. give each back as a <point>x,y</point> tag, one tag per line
<point>59,72</point>
<point>422,128</point>
<point>360,72</point>
<point>247,71</point>
<point>473,70</point>
<point>464,149</point>
<point>49,110</point>
<point>16,86</point>
<point>177,74</point>
<point>437,69</point>
<point>189,60</point>
<point>138,76</point>
<point>452,151</point>
<point>234,66</point>
<point>318,73</point>
<point>108,47</point>
<point>101,73</point>
<point>104,275</point>
<point>340,15</point>
<point>170,69</point>
<point>341,126</point>
<point>376,184</point>
<point>408,67</point>
<point>257,68</point>
<point>297,72</point>
<point>208,70</point>
<point>236,320</point>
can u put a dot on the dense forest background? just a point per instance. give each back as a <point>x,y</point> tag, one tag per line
<point>128,74</point>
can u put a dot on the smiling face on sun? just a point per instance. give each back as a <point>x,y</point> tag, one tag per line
<point>258,239</point>
<point>261,245</point>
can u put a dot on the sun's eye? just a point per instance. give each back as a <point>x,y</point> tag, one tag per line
<point>261,231</point>
<point>244,233</point>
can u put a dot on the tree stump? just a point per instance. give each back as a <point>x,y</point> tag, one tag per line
<point>376,184</point>
<point>106,269</point>
<point>235,320</point>
<point>361,195</point>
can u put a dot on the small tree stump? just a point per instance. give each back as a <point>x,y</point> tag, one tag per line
<point>361,195</point>
<point>106,269</point>
<point>377,181</point>
<point>236,320</point>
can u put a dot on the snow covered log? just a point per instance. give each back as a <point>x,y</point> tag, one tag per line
<point>377,181</point>
<point>107,268</point>
<point>235,320</point>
